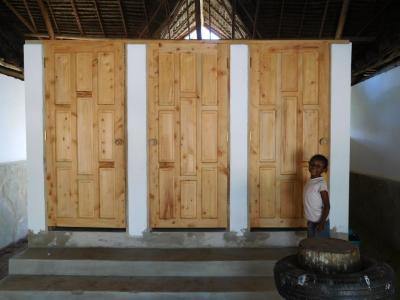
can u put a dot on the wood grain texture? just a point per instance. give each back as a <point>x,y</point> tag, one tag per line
<point>86,186</point>
<point>189,188</point>
<point>288,115</point>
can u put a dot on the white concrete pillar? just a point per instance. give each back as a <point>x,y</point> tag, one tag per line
<point>34,99</point>
<point>137,139</point>
<point>239,78</point>
<point>340,138</point>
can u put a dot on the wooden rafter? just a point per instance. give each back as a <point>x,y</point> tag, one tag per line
<point>146,14</point>
<point>187,18</point>
<point>253,21</point>
<point>166,6</point>
<point>99,17</point>
<point>18,15</point>
<point>198,9</point>
<point>280,18</point>
<point>147,27</point>
<point>256,19</point>
<point>342,19</point>
<point>321,28</point>
<point>302,18</point>
<point>209,17</point>
<point>76,15</point>
<point>233,19</point>
<point>30,15</point>
<point>121,12</point>
<point>46,18</point>
<point>52,16</point>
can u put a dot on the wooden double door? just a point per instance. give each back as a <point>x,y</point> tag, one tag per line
<point>85,132</point>
<point>288,122</point>
<point>188,135</point>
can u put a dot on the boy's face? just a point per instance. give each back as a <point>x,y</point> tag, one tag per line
<point>316,168</point>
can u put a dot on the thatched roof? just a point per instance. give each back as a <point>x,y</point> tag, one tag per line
<point>372,26</point>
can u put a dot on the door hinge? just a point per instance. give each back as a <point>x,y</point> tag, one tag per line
<point>44,63</point>
<point>227,62</point>
<point>250,62</point>
<point>45,135</point>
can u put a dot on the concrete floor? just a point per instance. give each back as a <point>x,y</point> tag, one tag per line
<point>8,252</point>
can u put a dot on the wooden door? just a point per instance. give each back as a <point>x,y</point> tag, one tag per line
<point>289,122</point>
<point>85,161</point>
<point>188,94</point>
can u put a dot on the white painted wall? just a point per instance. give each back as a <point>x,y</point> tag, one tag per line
<point>34,83</point>
<point>12,119</point>
<point>340,138</point>
<point>375,126</point>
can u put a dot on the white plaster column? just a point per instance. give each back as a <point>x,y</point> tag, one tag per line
<point>340,138</point>
<point>238,137</point>
<point>34,99</point>
<point>137,139</point>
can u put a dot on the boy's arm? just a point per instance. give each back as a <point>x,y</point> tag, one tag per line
<point>325,210</point>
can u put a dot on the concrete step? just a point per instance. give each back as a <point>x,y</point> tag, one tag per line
<point>140,288</point>
<point>224,262</point>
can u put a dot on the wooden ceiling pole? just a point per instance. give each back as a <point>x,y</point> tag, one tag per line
<point>99,17</point>
<point>233,19</point>
<point>187,18</point>
<point>21,18</point>
<point>166,6</point>
<point>145,12</point>
<point>342,19</point>
<point>52,16</point>
<point>121,12</point>
<point>46,18</point>
<point>77,19</point>
<point>321,28</point>
<point>198,9</point>
<point>253,21</point>
<point>30,15</point>
<point>147,27</point>
<point>374,17</point>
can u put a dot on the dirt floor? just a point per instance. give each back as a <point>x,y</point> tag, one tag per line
<point>8,252</point>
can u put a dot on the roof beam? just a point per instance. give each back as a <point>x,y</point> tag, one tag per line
<point>166,6</point>
<point>52,16</point>
<point>321,28</point>
<point>21,18</point>
<point>198,9</point>
<point>145,12</point>
<point>302,18</point>
<point>342,19</point>
<point>187,18</point>
<point>99,17</point>
<point>30,15</point>
<point>253,21</point>
<point>121,12</point>
<point>46,18</point>
<point>76,15</point>
<point>147,27</point>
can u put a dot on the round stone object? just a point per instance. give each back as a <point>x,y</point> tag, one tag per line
<point>329,256</point>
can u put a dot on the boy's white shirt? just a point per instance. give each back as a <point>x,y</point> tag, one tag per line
<point>312,198</point>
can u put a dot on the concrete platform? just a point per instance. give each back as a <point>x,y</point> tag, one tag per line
<point>143,273</point>
<point>228,262</point>
<point>155,288</point>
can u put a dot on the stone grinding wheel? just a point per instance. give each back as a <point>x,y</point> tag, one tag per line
<point>329,256</point>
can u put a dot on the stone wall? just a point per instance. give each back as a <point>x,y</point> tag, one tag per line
<point>375,208</point>
<point>13,205</point>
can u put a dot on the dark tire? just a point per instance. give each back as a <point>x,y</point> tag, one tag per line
<point>374,281</point>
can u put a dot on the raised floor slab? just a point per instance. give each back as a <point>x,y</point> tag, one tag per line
<point>156,288</point>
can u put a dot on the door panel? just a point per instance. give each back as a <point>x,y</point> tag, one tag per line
<point>85,160</point>
<point>288,116</point>
<point>188,92</point>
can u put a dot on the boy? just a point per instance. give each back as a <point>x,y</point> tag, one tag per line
<point>316,198</point>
